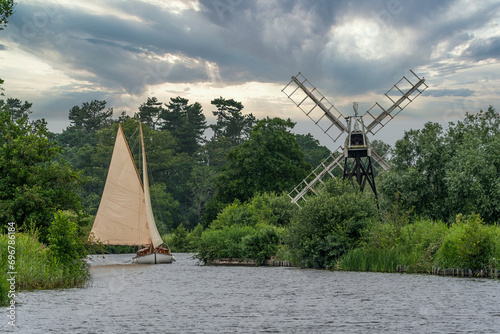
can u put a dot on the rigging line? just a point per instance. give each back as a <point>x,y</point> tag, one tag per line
<point>155,200</point>
<point>136,141</point>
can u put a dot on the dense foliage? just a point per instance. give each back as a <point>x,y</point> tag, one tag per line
<point>330,224</point>
<point>423,244</point>
<point>314,153</point>
<point>469,244</point>
<point>38,268</point>
<point>269,161</point>
<point>60,265</point>
<point>34,184</point>
<point>343,229</point>
<point>250,230</point>
<point>441,173</point>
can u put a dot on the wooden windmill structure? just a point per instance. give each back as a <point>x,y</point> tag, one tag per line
<point>355,159</point>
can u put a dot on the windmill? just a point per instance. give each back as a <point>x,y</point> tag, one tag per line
<point>355,159</point>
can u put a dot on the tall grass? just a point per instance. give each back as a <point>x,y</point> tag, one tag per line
<point>423,244</point>
<point>470,244</point>
<point>37,268</point>
<point>363,259</point>
<point>418,244</point>
<point>60,265</point>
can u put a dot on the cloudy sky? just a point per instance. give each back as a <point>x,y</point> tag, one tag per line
<point>57,54</point>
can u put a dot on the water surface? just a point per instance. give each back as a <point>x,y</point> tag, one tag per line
<point>185,297</point>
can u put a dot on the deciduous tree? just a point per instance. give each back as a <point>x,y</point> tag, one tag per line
<point>441,173</point>
<point>270,160</point>
<point>33,184</point>
<point>6,10</point>
<point>314,153</point>
<point>330,224</point>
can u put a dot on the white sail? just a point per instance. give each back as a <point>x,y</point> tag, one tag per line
<point>122,217</point>
<point>153,231</point>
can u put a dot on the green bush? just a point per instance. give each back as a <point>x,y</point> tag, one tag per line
<point>67,249</point>
<point>329,225</point>
<point>418,244</point>
<point>182,240</point>
<point>396,242</point>
<point>236,214</point>
<point>249,230</point>
<point>65,244</point>
<point>266,208</point>
<point>193,238</point>
<point>222,243</point>
<point>382,235</point>
<point>246,242</point>
<point>178,241</point>
<point>469,244</point>
<point>37,268</point>
<point>496,239</point>
<point>273,209</point>
<point>261,243</point>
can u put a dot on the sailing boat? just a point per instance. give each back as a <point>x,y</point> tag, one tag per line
<point>125,216</point>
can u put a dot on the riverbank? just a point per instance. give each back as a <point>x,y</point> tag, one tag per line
<point>430,247</point>
<point>458,272</point>
<point>248,262</point>
<point>35,267</point>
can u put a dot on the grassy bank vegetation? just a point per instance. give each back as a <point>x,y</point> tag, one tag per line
<point>59,265</point>
<point>343,230</point>
<point>422,244</point>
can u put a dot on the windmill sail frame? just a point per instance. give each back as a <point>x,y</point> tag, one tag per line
<point>407,95</point>
<point>357,147</point>
<point>327,118</point>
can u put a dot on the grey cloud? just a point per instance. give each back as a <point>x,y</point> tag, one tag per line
<point>463,92</point>
<point>484,49</point>
<point>259,40</point>
<point>129,54</point>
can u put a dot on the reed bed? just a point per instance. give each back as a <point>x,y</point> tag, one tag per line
<point>425,244</point>
<point>377,260</point>
<point>37,268</point>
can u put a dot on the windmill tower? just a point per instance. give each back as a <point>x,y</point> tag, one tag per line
<point>355,159</point>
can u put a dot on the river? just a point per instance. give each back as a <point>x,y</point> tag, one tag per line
<point>185,297</point>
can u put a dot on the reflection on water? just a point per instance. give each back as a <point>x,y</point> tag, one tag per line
<point>185,297</point>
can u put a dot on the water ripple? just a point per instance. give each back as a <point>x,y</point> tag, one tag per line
<point>184,297</point>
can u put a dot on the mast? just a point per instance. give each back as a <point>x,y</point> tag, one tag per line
<point>155,235</point>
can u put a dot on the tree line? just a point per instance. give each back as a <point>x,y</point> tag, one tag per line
<point>193,177</point>
<point>240,174</point>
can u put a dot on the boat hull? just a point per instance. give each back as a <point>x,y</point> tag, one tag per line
<point>153,258</point>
